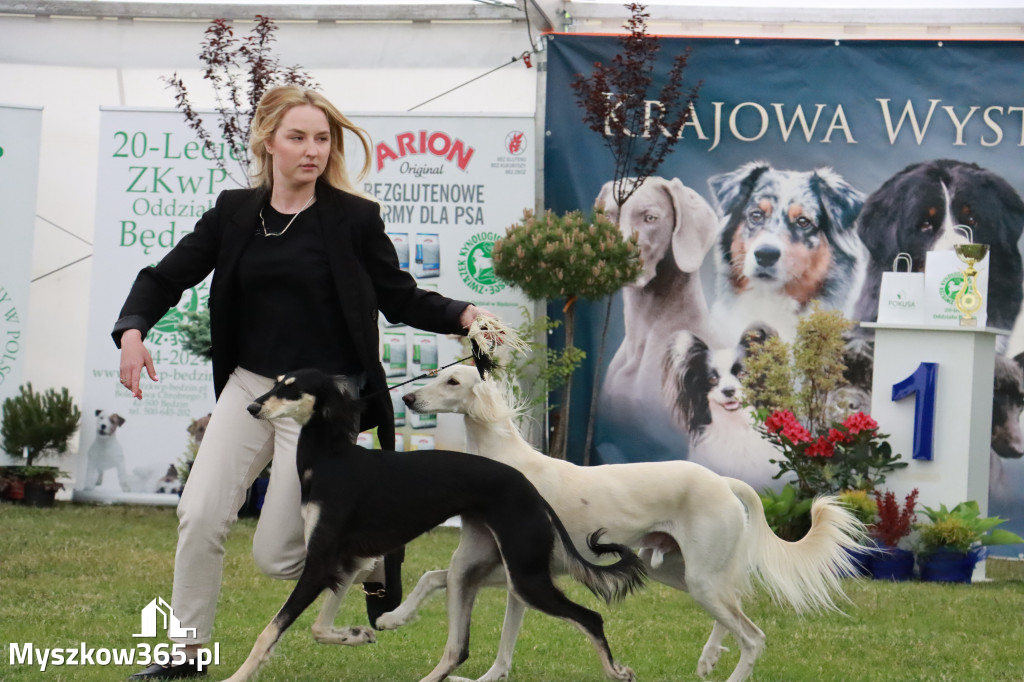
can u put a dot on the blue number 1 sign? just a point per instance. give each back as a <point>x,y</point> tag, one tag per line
<point>921,384</point>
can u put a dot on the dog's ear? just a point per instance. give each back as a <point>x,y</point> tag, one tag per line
<point>484,363</point>
<point>683,383</point>
<point>731,190</point>
<point>755,334</point>
<point>488,405</point>
<point>1019,359</point>
<point>878,220</point>
<point>841,202</point>
<point>99,412</point>
<point>336,405</point>
<point>606,197</point>
<point>116,419</point>
<point>695,224</point>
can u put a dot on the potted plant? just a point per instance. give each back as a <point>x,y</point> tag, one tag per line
<point>865,509</point>
<point>566,255</point>
<point>788,385</point>
<point>954,540</point>
<point>35,426</point>
<point>788,514</point>
<point>893,523</point>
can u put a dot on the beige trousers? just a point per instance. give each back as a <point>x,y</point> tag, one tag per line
<point>235,449</point>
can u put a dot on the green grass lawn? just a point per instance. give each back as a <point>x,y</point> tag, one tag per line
<point>77,574</point>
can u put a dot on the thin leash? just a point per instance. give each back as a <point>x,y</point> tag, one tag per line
<point>426,375</point>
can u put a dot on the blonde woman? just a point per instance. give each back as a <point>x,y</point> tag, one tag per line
<point>301,266</point>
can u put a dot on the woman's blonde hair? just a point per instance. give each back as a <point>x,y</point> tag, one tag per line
<point>269,112</point>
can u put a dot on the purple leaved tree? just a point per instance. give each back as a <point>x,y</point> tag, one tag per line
<point>638,125</point>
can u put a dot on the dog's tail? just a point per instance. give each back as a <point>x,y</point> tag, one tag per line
<point>613,582</point>
<point>806,573</point>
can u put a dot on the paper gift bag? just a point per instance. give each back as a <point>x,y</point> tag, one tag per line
<point>901,295</point>
<point>943,279</point>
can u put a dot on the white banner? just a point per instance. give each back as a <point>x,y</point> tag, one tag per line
<point>155,181</point>
<point>19,173</point>
<point>449,185</point>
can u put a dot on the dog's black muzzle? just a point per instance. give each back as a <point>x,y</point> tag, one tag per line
<point>254,409</point>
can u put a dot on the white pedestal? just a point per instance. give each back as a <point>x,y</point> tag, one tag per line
<point>959,468</point>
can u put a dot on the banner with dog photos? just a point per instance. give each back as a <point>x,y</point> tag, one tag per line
<point>20,129</point>
<point>155,181</point>
<point>448,185</point>
<point>807,165</point>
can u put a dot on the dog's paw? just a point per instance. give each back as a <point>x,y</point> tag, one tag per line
<point>391,620</point>
<point>709,659</point>
<point>622,672</point>
<point>356,635</point>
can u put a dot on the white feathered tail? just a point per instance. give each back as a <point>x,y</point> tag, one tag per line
<point>805,574</point>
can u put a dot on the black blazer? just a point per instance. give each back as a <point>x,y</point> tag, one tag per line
<point>366,275</point>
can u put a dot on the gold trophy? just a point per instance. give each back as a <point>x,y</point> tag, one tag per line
<point>968,299</point>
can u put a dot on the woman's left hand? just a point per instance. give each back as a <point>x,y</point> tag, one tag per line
<point>470,313</point>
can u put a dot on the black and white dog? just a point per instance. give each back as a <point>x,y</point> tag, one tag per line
<point>787,238</point>
<point>359,504</point>
<point>914,212</point>
<point>702,387</point>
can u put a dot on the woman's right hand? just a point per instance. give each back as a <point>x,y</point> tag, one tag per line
<point>135,356</point>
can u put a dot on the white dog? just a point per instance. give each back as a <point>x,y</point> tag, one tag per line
<point>106,453</point>
<point>679,514</point>
<point>675,229</point>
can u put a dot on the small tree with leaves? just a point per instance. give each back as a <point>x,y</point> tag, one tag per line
<point>568,256</point>
<point>38,424</point>
<point>801,375</point>
<point>637,125</point>
<point>240,70</point>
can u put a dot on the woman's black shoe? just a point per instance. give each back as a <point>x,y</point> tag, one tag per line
<point>169,672</point>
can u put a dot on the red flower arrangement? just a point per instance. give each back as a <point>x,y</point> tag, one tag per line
<point>851,455</point>
<point>894,522</point>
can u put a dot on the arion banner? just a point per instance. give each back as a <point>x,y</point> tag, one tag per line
<point>19,173</point>
<point>448,186</point>
<point>807,166</point>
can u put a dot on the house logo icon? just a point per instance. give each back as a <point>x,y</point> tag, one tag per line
<point>158,608</point>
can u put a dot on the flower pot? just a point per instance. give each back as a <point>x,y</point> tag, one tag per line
<point>39,495</point>
<point>947,566</point>
<point>892,563</point>
<point>862,560</point>
<point>14,490</point>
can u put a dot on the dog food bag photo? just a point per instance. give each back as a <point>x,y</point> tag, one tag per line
<point>424,352</point>
<point>901,294</point>
<point>428,255</point>
<point>398,405</point>
<point>365,440</point>
<point>401,242</point>
<point>421,421</point>
<point>394,355</point>
<point>421,441</point>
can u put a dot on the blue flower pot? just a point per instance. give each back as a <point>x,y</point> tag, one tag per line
<point>947,566</point>
<point>892,563</point>
<point>862,559</point>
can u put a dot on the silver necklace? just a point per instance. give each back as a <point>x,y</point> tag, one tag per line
<point>278,234</point>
